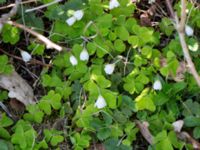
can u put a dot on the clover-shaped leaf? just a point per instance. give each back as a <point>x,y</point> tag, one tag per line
<point>52,99</point>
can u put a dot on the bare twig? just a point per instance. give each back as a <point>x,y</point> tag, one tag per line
<point>11,5</point>
<point>180,27</point>
<point>49,44</point>
<point>184,136</point>
<point>43,6</point>
<point>169,8</point>
<point>6,110</point>
<point>33,61</point>
<point>12,12</point>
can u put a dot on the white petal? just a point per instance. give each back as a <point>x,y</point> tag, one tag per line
<point>189,31</point>
<point>157,85</point>
<point>84,55</point>
<point>78,14</point>
<point>12,94</point>
<point>109,68</point>
<point>70,21</point>
<point>25,56</point>
<point>100,103</point>
<point>73,60</point>
<point>178,125</point>
<point>113,4</point>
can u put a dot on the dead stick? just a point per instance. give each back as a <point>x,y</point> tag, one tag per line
<point>49,44</point>
<point>144,130</point>
<point>180,27</point>
<point>33,61</point>
<point>12,5</point>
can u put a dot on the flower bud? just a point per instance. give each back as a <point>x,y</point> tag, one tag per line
<point>25,56</point>
<point>78,14</point>
<point>70,21</point>
<point>113,4</point>
<point>84,55</point>
<point>157,85</point>
<point>178,125</point>
<point>189,31</point>
<point>109,68</point>
<point>73,60</point>
<point>100,103</point>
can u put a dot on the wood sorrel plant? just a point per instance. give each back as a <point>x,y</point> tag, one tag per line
<point>105,74</point>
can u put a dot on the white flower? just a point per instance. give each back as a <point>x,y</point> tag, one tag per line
<point>84,55</point>
<point>113,4</point>
<point>178,125</point>
<point>73,60</point>
<point>100,103</point>
<point>12,94</point>
<point>189,31</point>
<point>78,14</point>
<point>157,85</point>
<point>25,56</point>
<point>70,21</point>
<point>109,68</point>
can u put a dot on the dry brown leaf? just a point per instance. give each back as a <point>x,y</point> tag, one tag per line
<point>18,88</point>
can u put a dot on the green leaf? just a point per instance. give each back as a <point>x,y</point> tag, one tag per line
<point>91,48</point>
<point>4,133</point>
<point>42,145</point>
<point>24,135</point>
<point>51,81</point>
<point>191,121</point>
<point>134,41</point>
<point>104,21</point>
<point>164,143</point>
<point>112,143</point>
<point>160,99</point>
<point>166,26</point>
<point>19,138</point>
<point>4,66</point>
<point>2,1</point>
<point>45,106</point>
<point>174,141</point>
<point>37,49</point>
<point>110,97</point>
<point>35,114</point>
<point>3,95</point>
<point>84,117</point>
<point>52,99</point>
<point>5,121</point>
<point>56,139</point>
<point>48,134</point>
<point>191,108</point>
<point>101,81</point>
<point>10,34</point>
<point>193,44</point>
<point>122,33</point>
<point>55,101</point>
<point>103,133</point>
<point>36,23</point>
<point>5,145</point>
<point>147,51</point>
<point>119,45</point>
<point>144,101</point>
<point>196,132</point>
